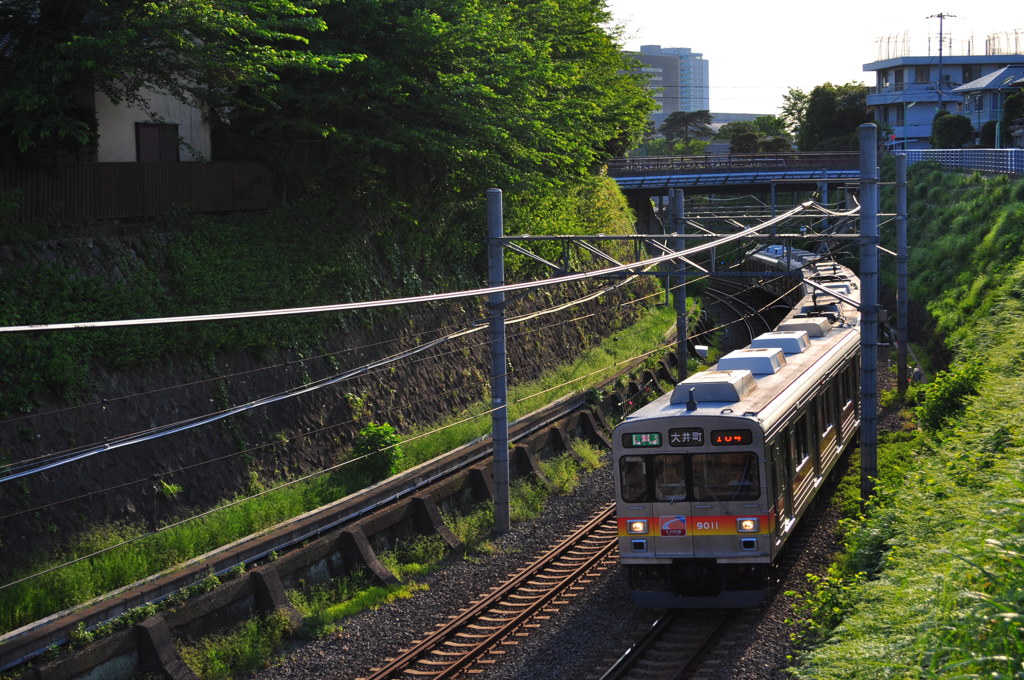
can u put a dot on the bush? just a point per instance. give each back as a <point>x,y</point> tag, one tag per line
<point>945,396</point>
<point>377,446</point>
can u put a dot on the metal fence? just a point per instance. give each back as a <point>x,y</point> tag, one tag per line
<point>1005,161</point>
<point>85,191</point>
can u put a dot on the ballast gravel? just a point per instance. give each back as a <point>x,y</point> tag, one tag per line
<point>579,641</point>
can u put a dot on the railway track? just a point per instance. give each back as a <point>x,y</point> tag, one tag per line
<point>475,636</point>
<point>752,318</point>
<point>672,647</point>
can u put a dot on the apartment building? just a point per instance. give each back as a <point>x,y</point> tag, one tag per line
<point>679,79</point>
<point>909,90</point>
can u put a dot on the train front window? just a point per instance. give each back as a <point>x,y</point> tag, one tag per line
<point>633,479</point>
<point>670,478</point>
<point>726,477</point>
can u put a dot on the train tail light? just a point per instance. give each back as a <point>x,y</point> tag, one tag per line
<point>747,525</point>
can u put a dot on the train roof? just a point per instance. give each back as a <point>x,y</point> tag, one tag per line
<point>771,376</point>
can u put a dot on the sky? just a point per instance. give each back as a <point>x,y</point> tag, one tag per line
<point>757,50</point>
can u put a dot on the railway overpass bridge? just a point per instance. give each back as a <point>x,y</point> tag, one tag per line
<point>642,178</point>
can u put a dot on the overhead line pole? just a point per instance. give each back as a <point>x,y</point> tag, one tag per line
<point>869,309</point>
<point>679,243</point>
<point>902,259</point>
<point>499,362</point>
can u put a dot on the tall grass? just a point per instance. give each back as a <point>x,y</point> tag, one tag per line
<point>931,579</point>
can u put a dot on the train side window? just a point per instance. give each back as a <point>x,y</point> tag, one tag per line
<point>670,478</point>
<point>633,479</point>
<point>726,477</point>
<point>803,449</point>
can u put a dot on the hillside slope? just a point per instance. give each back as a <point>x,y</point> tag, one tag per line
<point>930,580</point>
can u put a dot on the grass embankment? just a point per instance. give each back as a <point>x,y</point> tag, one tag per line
<point>146,554</point>
<point>931,580</point>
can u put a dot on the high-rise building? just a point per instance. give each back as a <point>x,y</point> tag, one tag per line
<point>679,78</point>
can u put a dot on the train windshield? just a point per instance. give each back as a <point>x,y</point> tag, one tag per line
<point>633,479</point>
<point>726,477</point>
<point>668,478</point>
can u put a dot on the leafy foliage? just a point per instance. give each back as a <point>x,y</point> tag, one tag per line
<point>379,443</point>
<point>794,109</point>
<point>686,125</point>
<point>199,51</point>
<point>456,96</point>
<point>951,130</point>
<point>763,134</point>
<point>944,396</point>
<point>832,116</point>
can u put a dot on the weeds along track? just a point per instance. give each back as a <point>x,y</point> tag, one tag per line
<point>522,603</point>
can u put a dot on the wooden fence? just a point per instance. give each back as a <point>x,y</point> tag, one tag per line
<point>76,192</point>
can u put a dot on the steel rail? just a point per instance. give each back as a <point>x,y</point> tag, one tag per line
<point>475,632</point>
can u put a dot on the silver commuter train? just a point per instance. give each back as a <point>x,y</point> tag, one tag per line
<point>712,477</point>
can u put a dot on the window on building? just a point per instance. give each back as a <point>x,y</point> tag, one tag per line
<point>921,74</point>
<point>971,72</point>
<point>156,142</point>
<point>899,79</point>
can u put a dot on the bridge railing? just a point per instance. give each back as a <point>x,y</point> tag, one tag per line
<point>1006,161</point>
<point>643,165</point>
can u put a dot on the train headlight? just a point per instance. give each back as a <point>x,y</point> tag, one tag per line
<point>747,525</point>
<point>636,526</point>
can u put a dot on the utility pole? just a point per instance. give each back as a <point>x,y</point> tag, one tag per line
<point>940,16</point>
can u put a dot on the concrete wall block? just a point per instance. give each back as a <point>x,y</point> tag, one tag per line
<point>430,519</point>
<point>357,550</point>
<point>158,653</point>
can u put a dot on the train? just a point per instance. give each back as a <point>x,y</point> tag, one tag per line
<point>713,477</point>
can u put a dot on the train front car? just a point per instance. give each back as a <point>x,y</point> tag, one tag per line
<point>712,478</point>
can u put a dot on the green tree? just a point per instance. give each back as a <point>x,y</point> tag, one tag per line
<point>460,95</point>
<point>950,130</point>
<point>771,126</point>
<point>686,125</point>
<point>794,109</point>
<point>832,116</point>
<point>764,133</point>
<point>1013,110</point>
<point>776,145</point>
<point>200,51</point>
<point>737,127</point>
<point>744,142</point>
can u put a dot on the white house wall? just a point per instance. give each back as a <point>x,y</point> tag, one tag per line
<point>116,127</point>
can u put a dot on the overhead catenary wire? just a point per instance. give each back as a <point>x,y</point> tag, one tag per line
<point>326,470</point>
<point>20,470</point>
<point>308,433</point>
<point>436,297</point>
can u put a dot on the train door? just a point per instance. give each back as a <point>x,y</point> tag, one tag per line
<point>782,488</point>
<point>848,383</point>
<point>654,498</point>
<point>671,476</point>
